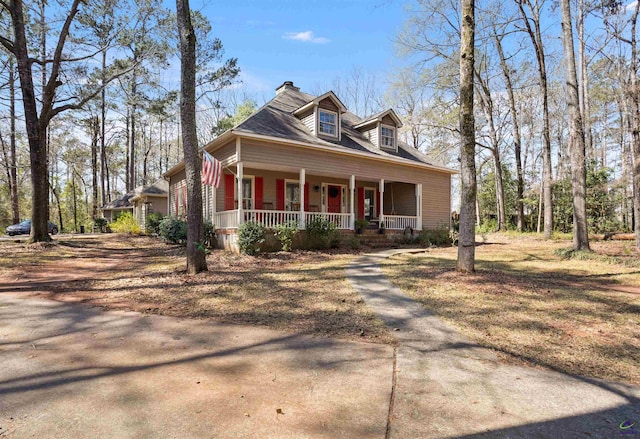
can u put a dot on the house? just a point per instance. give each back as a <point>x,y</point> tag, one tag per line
<point>302,156</point>
<point>141,201</point>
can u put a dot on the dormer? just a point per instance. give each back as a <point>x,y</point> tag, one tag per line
<point>381,129</point>
<point>323,116</point>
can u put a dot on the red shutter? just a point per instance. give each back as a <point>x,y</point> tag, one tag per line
<point>229,199</point>
<point>279,194</point>
<point>259,192</point>
<point>306,197</point>
<point>360,203</point>
<point>378,203</point>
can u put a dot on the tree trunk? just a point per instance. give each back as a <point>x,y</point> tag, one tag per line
<point>467,235</point>
<point>486,102</point>
<point>515,124</point>
<point>535,34</point>
<point>103,151</point>
<point>576,135</point>
<point>132,144</point>
<point>35,133</point>
<point>127,167</point>
<point>13,161</point>
<point>74,204</point>
<point>196,256</point>
<point>95,131</point>
<point>635,123</point>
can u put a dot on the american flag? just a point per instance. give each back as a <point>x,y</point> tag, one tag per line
<point>211,170</point>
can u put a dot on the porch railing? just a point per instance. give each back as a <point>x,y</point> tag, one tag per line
<point>226,220</point>
<point>271,218</point>
<point>400,222</point>
<point>341,220</point>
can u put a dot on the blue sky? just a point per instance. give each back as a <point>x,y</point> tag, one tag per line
<point>310,42</point>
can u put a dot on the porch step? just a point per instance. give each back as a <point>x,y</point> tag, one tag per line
<point>375,240</point>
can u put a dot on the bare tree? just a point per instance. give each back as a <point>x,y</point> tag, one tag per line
<point>51,102</point>
<point>576,135</point>
<point>531,14</point>
<point>467,237</point>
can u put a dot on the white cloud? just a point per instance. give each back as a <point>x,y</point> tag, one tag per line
<point>305,37</point>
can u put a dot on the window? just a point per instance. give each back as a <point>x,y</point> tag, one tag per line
<point>328,123</point>
<point>387,137</point>
<point>292,196</point>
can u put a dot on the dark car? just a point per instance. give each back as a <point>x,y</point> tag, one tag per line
<point>24,228</point>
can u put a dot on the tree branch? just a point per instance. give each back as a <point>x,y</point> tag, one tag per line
<point>78,105</point>
<point>7,43</point>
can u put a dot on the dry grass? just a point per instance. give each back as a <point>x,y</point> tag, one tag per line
<point>304,292</point>
<point>580,315</point>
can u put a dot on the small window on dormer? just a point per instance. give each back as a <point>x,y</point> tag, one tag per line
<point>328,123</point>
<point>387,139</point>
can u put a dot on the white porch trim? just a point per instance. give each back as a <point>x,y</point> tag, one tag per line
<point>302,198</point>
<point>239,176</point>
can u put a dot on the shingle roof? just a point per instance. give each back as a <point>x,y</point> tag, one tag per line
<point>158,188</point>
<point>276,119</point>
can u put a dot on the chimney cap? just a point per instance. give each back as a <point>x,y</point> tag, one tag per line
<point>286,85</point>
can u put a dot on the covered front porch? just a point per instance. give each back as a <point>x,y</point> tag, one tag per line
<point>280,195</point>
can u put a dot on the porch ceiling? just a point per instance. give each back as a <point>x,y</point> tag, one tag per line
<point>295,170</point>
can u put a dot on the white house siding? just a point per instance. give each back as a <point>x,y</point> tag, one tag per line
<point>309,119</point>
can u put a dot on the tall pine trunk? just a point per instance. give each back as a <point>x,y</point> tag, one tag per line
<point>576,135</point>
<point>13,161</point>
<point>515,124</point>
<point>95,131</point>
<point>467,234</point>
<point>535,34</point>
<point>196,256</point>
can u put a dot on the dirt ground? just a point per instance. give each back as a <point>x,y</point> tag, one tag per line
<point>532,304</point>
<point>305,292</point>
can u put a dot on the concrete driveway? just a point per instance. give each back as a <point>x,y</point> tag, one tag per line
<point>70,371</point>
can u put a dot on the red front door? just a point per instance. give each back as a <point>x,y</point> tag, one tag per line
<point>334,200</point>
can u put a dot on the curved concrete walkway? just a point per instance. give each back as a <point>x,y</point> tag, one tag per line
<point>445,386</point>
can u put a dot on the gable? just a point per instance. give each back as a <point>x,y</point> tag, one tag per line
<point>328,104</point>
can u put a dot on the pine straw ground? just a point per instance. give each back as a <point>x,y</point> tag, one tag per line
<point>526,300</point>
<point>531,304</point>
<point>304,292</point>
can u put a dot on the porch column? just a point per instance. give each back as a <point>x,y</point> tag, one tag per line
<point>302,179</point>
<point>214,201</point>
<point>239,177</point>
<point>352,190</point>
<point>381,189</point>
<point>419,206</point>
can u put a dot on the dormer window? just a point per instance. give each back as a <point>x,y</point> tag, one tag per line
<point>387,137</point>
<point>328,123</point>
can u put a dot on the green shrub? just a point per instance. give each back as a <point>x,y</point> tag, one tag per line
<point>126,223</point>
<point>439,236</point>
<point>152,223</point>
<point>322,233</point>
<point>361,224</point>
<point>100,225</point>
<point>285,234</point>
<point>250,236</point>
<point>173,230</point>
<point>488,226</point>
